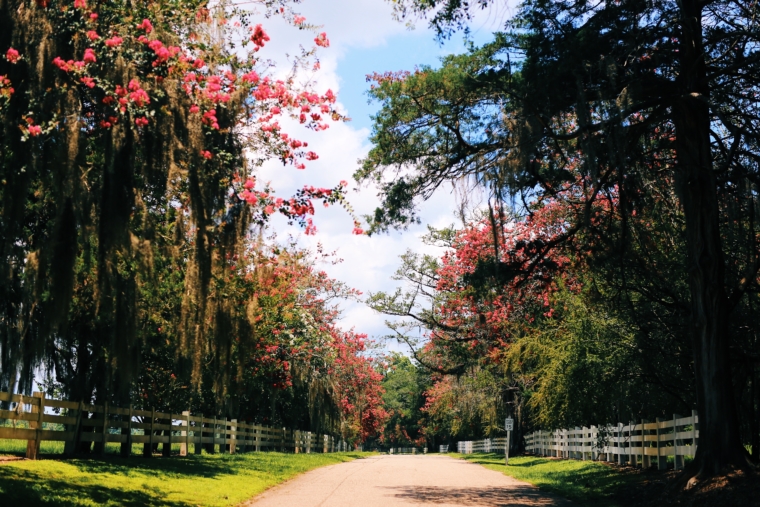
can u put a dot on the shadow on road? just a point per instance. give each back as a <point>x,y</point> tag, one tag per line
<point>480,497</point>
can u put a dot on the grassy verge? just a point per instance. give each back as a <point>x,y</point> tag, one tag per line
<point>586,483</point>
<point>203,480</point>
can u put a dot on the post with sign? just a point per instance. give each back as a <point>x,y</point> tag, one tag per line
<point>508,425</point>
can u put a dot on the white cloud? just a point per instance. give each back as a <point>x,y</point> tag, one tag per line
<point>369,262</point>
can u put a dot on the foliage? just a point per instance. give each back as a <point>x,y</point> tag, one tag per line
<point>604,110</point>
<point>404,384</point>
<point>132,226</point>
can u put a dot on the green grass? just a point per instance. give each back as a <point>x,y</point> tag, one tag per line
<point>205,480</point>
<point>586,483</point>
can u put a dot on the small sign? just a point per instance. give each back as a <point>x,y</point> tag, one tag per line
<point>509,424</point>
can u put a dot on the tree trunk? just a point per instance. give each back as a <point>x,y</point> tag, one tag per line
<point>719,440</point>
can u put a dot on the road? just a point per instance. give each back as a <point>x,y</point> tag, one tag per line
<point>389,481</point>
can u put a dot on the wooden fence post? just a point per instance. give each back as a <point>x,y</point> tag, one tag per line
<point>184,447</point>
<point>694,432</point>
<point>33,446</point>
<point>233,435</point>
<point>198,433</point>
<point>677,459</point>
<point>662,461</point>
<point>148,451</point>
<point>126,447</point>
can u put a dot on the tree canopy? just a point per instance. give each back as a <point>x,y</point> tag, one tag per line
<point>604,112</point>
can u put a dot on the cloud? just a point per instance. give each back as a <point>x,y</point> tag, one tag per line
<point>356,27</point>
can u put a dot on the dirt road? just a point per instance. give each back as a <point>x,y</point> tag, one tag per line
<point>385,481</point>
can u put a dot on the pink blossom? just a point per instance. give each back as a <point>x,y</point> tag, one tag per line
<point>141,121</point>
<point>80,4</point>
<point>92,35</point>
<point>88,82</point>
<point>259,37</point>
<point>249,184</point>
<point>322,40</point>
<point>145,25</point>
<point>12,55</point>
<point>194,109</point>
<point>311,156</point>
<point>89,56</point>
<point>206,154</point>
<point>298,20</point>
<point>114,41</point>
<point>63,65</point>
<point>34,130</point>
<point>93,16</point>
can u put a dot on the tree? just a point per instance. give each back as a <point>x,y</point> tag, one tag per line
<point>626,93</point>
<point>130,134</point>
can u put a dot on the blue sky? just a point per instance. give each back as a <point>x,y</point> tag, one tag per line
<point>364,38</point>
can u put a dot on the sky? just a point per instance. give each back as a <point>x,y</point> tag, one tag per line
<point>364,38</point>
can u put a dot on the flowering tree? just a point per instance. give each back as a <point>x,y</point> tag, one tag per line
<point>130,137</point>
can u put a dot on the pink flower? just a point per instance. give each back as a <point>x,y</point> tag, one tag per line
<point>311,156</point>
<point>249,184</point>
<point>145,25</point>
<point>114,41</point>
<point>34,130</point>
<point>12,55</point>
<point>298,20</point>
<point>194,109</point>
<point>343,183</point>
<point>92,35</point>
<point>88,82</point>
<point>93,16</point>
<point>61,64</point>
<point>269,210</point>
<point>357,231</point>
<point>251,77</point>
<point>141,122</point>
<point>80,4</point>
<point>206,154</point>
<point>199,64</point>
<point>322,40</point>
<point>259,37</point>
<point>89,56</point>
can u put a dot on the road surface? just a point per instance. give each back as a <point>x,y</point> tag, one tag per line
<point>390,481</point>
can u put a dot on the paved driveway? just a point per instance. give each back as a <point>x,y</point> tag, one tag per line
<point>384,481</point>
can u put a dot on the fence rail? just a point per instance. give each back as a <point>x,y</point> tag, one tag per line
<point>632,443</point>
<point>82,422</point>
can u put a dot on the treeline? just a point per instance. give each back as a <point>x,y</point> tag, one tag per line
<point>611,272</point>
<point>133,258</point>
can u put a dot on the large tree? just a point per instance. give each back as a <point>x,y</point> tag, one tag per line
<point>624,93</point>
<point>130,133</point>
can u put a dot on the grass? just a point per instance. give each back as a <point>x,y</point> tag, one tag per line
<point>586,483</point>
<point>203,480</point>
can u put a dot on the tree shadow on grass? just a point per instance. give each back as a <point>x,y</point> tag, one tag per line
<point>187,466</point>
<point>29,489</point>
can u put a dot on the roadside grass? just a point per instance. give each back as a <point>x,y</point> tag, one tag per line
<point>195,480</point>
<point>587,483</point>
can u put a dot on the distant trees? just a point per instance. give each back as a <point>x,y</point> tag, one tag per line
<point>638,121</point>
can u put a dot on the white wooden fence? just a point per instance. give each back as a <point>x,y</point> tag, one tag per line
<point>34,419</point>
<point>495,445</point>
<point>647,443</point>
